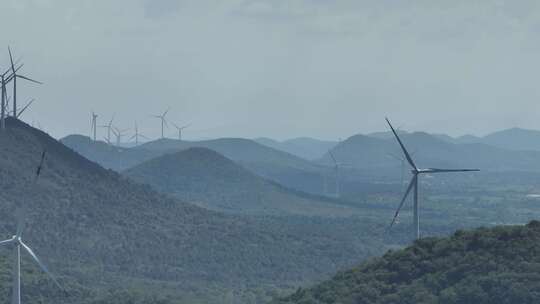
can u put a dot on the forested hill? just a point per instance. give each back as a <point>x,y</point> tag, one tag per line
<point>209,179</point>
<point>498,265</point>
<point>97,229</point>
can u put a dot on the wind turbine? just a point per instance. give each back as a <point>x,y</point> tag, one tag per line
<point>416,172</point>
<point>119,134</point>
<point>15,76</point>
<point>5,78</point>
<point>17,243</point>
<point>180,129</point>
<point>137,135</point>
<point>336,170</point>
<point>109,127</point>
<point>94,125</point>
<point>163,121</point>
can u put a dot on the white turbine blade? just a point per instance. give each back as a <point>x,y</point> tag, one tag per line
<point>411,184</point>
<point>43,267</point>
<point>6,242</point>
<point>435,170</point>
<point>409,159</point>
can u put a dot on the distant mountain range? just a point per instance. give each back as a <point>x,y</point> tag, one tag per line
<point>272,164</point>
<point>498,265</point>
<point>207,178</point>
<point>376,155</point>
<point>304,147</point>
<point>511,139</point>
<point>365,159</point>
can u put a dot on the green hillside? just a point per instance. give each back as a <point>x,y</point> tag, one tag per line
<point>98,229</point>
<point>206,178</point>
<point>482,266</point>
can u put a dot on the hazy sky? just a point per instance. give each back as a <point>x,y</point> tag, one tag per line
<point>278,68</point>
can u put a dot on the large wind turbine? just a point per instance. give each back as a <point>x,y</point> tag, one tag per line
<point>15,76</point>
<point>163,121</point>
<point>17,243</point>
<point>416,172</point>
<point>180,129</point>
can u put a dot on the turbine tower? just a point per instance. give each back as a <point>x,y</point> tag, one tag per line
<point>416,172</point>
<point>180,129</point>
<point>15,76</point>
<point>163,122</point>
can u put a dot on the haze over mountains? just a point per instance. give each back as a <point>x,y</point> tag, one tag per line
<point>205,177</point>
<point>304,147</point>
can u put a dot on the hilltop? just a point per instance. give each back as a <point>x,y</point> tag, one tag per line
<point>207,178</point>
<point>497,265</point>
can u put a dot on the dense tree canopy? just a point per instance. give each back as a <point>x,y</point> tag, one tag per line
<point>498,265</point>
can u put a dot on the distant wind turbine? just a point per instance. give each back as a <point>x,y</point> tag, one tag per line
<point>337,166</point>
<point>15,76</point>
<point>163,122</point>
<point>119,133</point>
<point>109,127</point>
<point>137,135</point>
<point>5,78</point>
<point>414,182</point>
<point>180,129</point>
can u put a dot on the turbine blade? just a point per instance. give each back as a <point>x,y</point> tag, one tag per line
<point>6,242</point>
<point>40,167</point>
<point>29,79</point>
<point>25,107</point>
<point>436,170</point>
<point>409,159</point>
<point>411,184</point>
<point>43,267</point>
<point>11,59</point>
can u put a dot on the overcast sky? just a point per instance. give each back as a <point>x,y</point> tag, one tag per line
<point>278,68</point>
